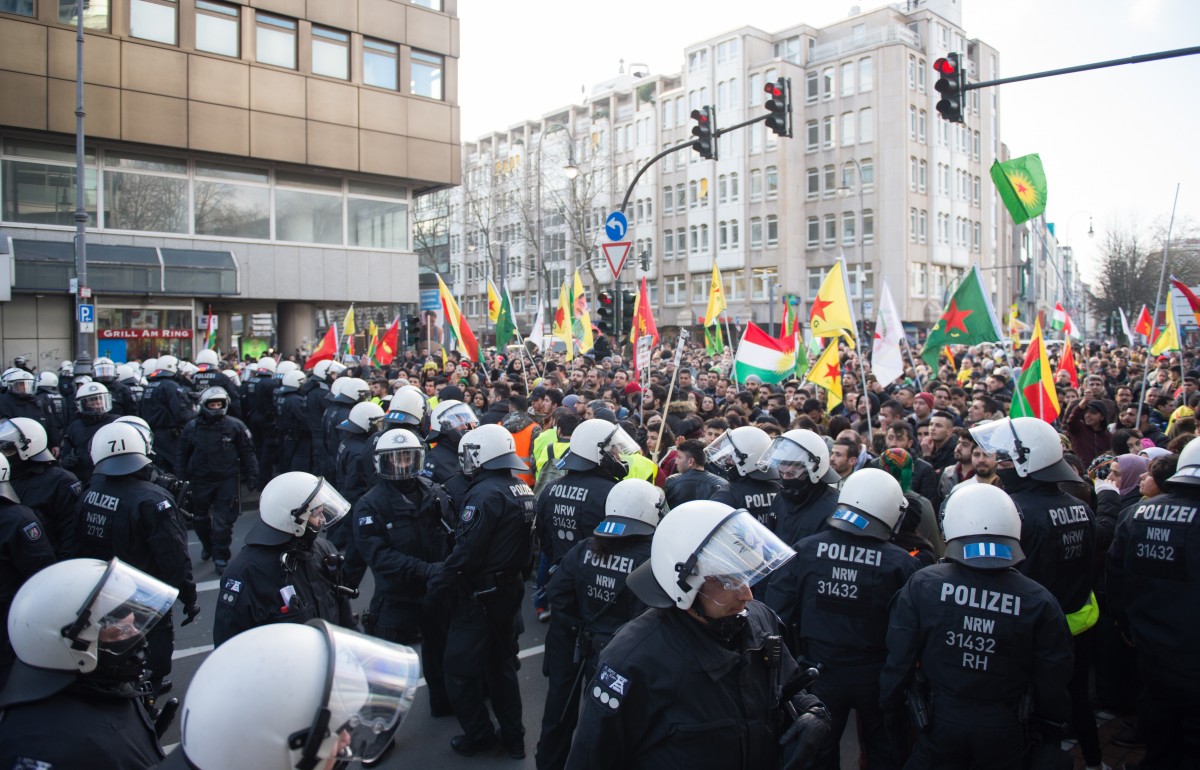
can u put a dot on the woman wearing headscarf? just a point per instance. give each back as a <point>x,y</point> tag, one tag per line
<point>918,529</point>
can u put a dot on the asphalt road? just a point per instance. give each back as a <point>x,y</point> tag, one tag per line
<point>422,740</point>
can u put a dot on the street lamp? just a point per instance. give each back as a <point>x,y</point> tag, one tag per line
<point>83,340</point>
<point>571,171</point>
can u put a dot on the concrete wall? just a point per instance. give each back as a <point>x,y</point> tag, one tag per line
<point>37,327</point>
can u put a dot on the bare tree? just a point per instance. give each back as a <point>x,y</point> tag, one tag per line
<point>1131,261</point>
<point>431,231</point>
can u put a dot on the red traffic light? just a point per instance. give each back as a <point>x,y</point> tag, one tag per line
<point>773,89</point>
<point>700,115</point>
<point>945,66</point>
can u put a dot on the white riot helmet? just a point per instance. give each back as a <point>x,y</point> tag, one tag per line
<point>48,380</point>
<point>142,427</point>
<point>214,395</point>
<point>126,374</point>
<point>350,390</point>
<point>93,399</point>
<point>187,369</point>
<point>19,382</point>
<point>598,443</point>
<point>702,540</point>
<point>407,407</point>
<point>399,455</point>
<point>738,450</point>
<point>265,365</point>
<point>6,487</point>
<point>982,527</point>
<point>232,375</point>
<point>67,617</point>
<point>488,447</point>
<point>1187,469</point>
<point>799,454</point>
<point>451,419</point>
<point>66,368</point>
<point>168,364</point>
<point>363,418</point>
<point>293,502</point>
<point>283,696</point>
<point>207,357</point>
<point>149,366</point>
<point>871,504</point>
<point>103,369</point>
<point>25,439</point>
<point>291,381</point>
<point>633,507</point>
<point>283,367</point>
<point>1031,444</point>
<point>119,449</point>
<point>321,369</point>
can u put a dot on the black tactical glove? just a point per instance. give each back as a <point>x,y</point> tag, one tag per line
<point>252,482</point>
<point>165,716</point>
<point>190,613</point>
<point>809,729</point>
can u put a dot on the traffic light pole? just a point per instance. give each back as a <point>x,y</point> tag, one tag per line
<point>1192,51</point>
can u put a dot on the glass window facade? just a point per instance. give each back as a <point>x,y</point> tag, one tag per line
<point>427,74</point>
<point>381,64</point>
<point>217,28</point>
<point>331,53</point>
<point>276,41</point>
<point>95,16</point>
<point>154,20</point>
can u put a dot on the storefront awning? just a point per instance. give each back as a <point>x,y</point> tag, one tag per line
<point>196,272</point>
<point>49,266</point>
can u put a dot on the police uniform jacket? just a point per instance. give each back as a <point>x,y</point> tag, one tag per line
<point>210,376</point>
<point>334,415</point>
<point>130,518</point>
<point>981,636</point>
<point>313,391</point>
<point>259,402</point>
<point>835,594</point>
<point>1058,535</point>
<point>570,509</point>
<point>12,405</point>
<point>442,467</point>
<point>754,495</point>
<point>694,484</point>
<point>292,424</point>
<point>399,531</point>
<point>258,589</point>
<point>123,401</point>
<point>51,402</point>
<point>493,540</point>
<point>803,512</point>
<point>24,549</point>
<point>667,693</point>
<point>350,479</point>
<point>215,449</point>
<point>588,588</point>
<point>53,494</point>
<point>77,443</point>
<point>78,728</point>
<point>165,405</point>
<point>1153,578</point>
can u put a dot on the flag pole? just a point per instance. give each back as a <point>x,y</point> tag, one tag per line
<point>733,349</point>
<point>912,361</point>
<point>683,335</point>
<point>1157,298</point>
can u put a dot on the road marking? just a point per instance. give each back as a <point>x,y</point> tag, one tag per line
<point>208,585</point>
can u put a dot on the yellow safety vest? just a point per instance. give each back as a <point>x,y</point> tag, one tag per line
<point>1085,617</point>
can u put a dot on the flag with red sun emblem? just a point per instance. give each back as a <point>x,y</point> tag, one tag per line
<point>1021,183</point>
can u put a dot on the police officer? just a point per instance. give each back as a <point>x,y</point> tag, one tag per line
<point>53,493</point>
<point>983,650</point>
<point>214,446</point>
<point>123,515</point>
<point>166,407</point>
<point>1153,577</point>
<point>295,442</point>
<point>26,548</point>
<point>399,528</point>
<point>345,392</point>
<point>358,426</point>
<point>834,597</point>
<point>286,573</point>
<point>806,500</point>
<point>104,371</point>
<point>493,546</point>
<point>258,399</point>
<point>131,378</point>
<point>79,629</point>
<point>703,678</point>
<point>51,402</point>
<point>407,410</point>
<point>209,375</point>
<point>1058,538</point>
<point>735,453</point>
<point>315,392</point>
<point>18,400</point>
<point>588,596</point>
<point>93,409</point>
<point>448,422</point>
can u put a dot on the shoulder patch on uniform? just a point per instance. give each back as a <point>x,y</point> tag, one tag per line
<point>468,514</point>
<point>163,505</point>
<point>231,589</point>
<point>365,521</point>
<point>77,488</point>
<point>233,585</point>
<point>28,763</point>
<point>33,531</point>
<point>249,436</point>
<point>609,687</point>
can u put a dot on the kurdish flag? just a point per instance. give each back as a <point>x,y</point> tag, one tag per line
<point>1035,396</point>
<point>826,372</point>
<point>210,331</point>
<point>1066,363</point>
<point>831,314</point>
<point>562,321</point>
<point>1021,183</point>
<point>372,340</point>
<point>348,331</point>
<point>581,320</point>
<point>716,298</point>
<point>463,336</point>
<point>771,360</point>
<point>969,319</point>
<point>494,302</point>
<point>1168,338</point>
<point>791,323</point>
<point>506,325</point>
<point>386,352</point>
<point>1189,295</point>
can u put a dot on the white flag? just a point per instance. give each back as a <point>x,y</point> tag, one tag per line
<point>538,332</point>
<point>1125,326</point>
<point>886,360</point>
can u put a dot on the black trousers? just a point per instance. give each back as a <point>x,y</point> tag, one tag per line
<point>160,645</point>
<point>400,622</point>
<point>846,689</point>
<point>978,736</point>
<point>1169,715</point>
<point>481,648</point>
<point>562,696</point>
<point>215,506</point>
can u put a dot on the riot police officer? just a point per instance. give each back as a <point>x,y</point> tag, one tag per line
<point>834,598</point>
<point>19,400</point>
<point>51,402</point>
<point>806,500</point>
<point>359,424</point>
<point>315,392</point>
<point>131,378</point>
<point>703,678</point>
<point>209,375</point>
<point>588,597</point>
<point>400,530</point>
<point>345,392</point>
<point>406,411</point>
<point>982,651</point>
<point>104,371</point>
<point>166,407</point>
<point>123,515</point>
<point>93,409</point>
<point>258,399</point>
<point>1153,577</point>
<point>735,454</point>
<point>42,484</point>
<point>74,699</point>
<point>448,422</point>
<point>286,573</point>
<point>493,546</point>
<point>295,442</point>
<point>214,446</point>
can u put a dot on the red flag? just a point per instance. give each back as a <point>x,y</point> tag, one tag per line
<point>386,352</point>
<point>326,350</point>
<point>1192,299</point>
<point>1145,324</point>
<point>643,317</point>
<point>1066,363</point>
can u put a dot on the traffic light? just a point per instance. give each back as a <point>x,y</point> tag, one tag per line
<point>412,331</point>
<point>606,313</point>
<point>705,132</point>
<point>950,85</point>
<point>627,300</point>
<point>779,106</point>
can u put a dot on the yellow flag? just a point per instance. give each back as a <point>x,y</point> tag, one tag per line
<point>831,313</point>
<point>445,361</point>
<point>580,317</point>
<point>562,321</point>
<point>1168,338</point>
<point>493,302</point>
<point>716,297</point>
<point>826,372</point>
<point>348,328</point>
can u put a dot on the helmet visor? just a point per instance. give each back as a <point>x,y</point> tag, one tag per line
<point>998,438</point>
<point>721,453</point>
<point>123,606</point>
<point>12,440</point>
<point>105,371</point>
<point>620,444</point>
<point>400,464</point>
<point>323,507</point>
<point>459,417</point>
<point>740,552</point>
<point>791,460</point>
<point>371,687</point>
<point>20,386</point>
<point>99,403</point>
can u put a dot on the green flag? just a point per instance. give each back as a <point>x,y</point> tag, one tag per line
<point>713,344</point>
<point>1021,183</point>
<point>506,327</point>
<point>969,319</point>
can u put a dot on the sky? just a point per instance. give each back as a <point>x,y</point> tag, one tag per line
<point>1114,142</point>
